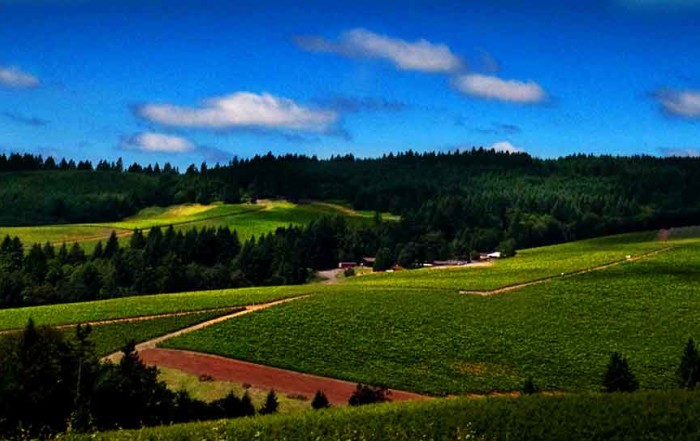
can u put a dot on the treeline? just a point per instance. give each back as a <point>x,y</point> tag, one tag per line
<point>172,261</point>
<point>453,202</point>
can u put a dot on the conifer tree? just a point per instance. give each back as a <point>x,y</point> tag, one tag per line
<point>271,404</point>
<point>689,370</point>
<point>320,401</point>
<point>619,376</point>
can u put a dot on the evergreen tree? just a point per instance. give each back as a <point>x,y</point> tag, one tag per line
<point>529,387</point>
<point>618,376</point>
<point>247,408</point>
<point>112,246</point>
<point>384,260</point>
<point>271,404</point>
<point>689,370</point>
<point>320,401</point>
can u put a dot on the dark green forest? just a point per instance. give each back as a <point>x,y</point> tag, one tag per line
<point>452,205</point>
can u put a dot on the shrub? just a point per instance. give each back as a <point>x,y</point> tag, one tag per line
<point>271,404</point>
<point>366,394</point>
<point>689,370</point>
<point>320,401</point>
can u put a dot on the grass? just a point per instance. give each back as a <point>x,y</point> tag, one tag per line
<point>560,332</point>
<point>213,390</point>
<point>650,416</point>
<point>143,305</point>
<point>248,220</point>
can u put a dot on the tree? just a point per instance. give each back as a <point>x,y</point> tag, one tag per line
<point>112,246</point>
<point>247,408</point>
<point>619,376</point>
<point>320,401</point>
<point>689,370</point>
<point>384,260</point>
<point>271,404</point>
<point>366,394</point>
<point>529,387</point>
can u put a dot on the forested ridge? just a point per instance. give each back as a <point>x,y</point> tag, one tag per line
<point>536,200</point>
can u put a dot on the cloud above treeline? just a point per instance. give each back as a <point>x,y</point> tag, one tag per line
<point>241,110</point>
<point>15,78</point>
<point>420,55</point>
<point>680,103</point>
<point>675,152</point>
<point>424,56</point>
<point>152,142</point>
<point>505,147</point>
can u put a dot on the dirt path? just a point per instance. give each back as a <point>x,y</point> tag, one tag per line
<point>151,344</point>
<point>571,274</point>
<point>259,376</point>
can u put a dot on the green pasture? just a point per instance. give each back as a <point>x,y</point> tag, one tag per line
<point>560,332</point>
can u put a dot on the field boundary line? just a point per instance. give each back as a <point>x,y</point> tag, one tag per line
<point>604,266</point>
<point>153,343</point>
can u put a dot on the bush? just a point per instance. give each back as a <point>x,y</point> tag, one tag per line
<point>366,394</point>
<point>320,401</point>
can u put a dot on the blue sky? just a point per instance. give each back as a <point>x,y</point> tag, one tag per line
<point>186,81</point>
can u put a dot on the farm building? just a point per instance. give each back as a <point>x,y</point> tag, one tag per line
<point>344,265</point>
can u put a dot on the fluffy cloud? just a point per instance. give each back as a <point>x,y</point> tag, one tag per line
<point>494,88</point>
<point>158,143</point>
<point>682,103</point>
<point>14,77</point>
<point>241,110</point>
<point>420,55</point>
<point>505,147</point>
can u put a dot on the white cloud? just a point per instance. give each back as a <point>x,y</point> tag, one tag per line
<point>505,147</point>
<point>420,55</point>
<point>241,109</point>
<point>13,76</point>
<point>683,103</point>
<point>494,88</point>
<point>158,143</point>
<point>681,152</point>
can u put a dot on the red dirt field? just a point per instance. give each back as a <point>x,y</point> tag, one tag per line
<point>259,376</point>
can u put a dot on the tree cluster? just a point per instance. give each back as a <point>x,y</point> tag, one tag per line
<point>49,384</point>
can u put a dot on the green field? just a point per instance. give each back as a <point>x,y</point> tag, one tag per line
<point>644,416</point>
<point>527,265</point>
<point>247,219</point>
<point>110,338</point>
<point>437,341</point>
<point>143,305</point>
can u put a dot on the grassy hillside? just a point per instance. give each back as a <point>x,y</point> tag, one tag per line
<point>247,219</point>
<point>667,416</point>
<point>438,341</point>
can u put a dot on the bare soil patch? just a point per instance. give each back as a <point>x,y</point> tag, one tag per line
<point>260,376</point>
